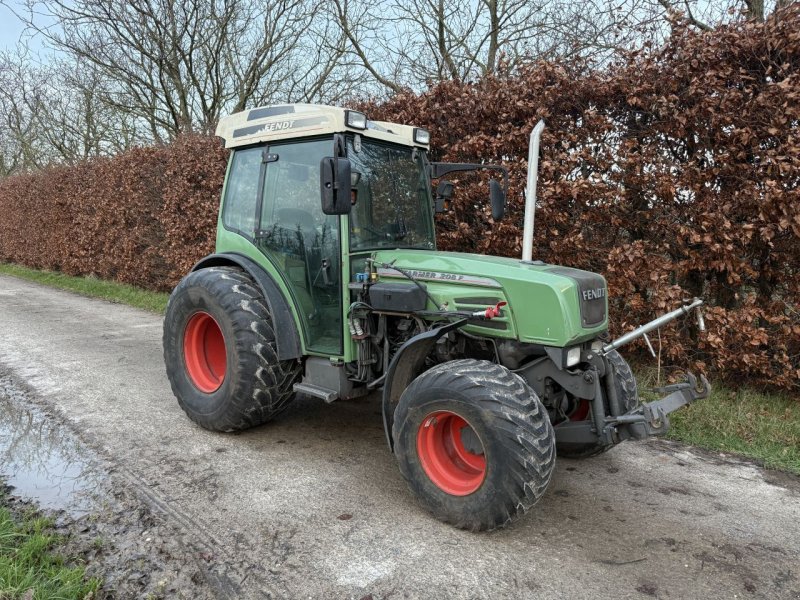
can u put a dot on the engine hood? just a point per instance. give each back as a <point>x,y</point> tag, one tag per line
<point>547,304</point>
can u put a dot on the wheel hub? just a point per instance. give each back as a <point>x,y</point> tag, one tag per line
<point>204,352</point>
<point>451,453</point>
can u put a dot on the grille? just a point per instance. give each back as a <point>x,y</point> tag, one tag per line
<point>591,294</point>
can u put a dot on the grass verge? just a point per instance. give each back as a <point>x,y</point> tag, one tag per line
<point>759,425</point>
<point>92,287</point>
<point>30,564</point>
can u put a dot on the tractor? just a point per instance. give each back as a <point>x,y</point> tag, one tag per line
<point>326,282</point>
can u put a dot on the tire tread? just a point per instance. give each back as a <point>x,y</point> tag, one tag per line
<point>519,423</point>
<point>264,388</point>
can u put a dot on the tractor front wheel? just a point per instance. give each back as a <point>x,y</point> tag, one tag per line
<point>474,443</point>
<point>220,351</point>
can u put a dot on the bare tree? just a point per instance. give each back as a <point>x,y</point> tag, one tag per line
<point>178,65</point>
<point>50,112</point>
<point>127,72</point>
<point>410,43</point>
<point>72,117</point>
<point>705,15</point>
<point>20,87</point>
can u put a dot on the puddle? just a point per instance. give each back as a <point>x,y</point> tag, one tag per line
<point>132,549</point>
<point>41,458</point>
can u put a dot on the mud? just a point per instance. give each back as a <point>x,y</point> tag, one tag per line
<point>312,504</point>
<point>46,466</point>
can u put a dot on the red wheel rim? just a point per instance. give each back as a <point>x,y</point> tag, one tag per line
<point>204,352</point>
<point>450,465</point>
<point>581,411</point>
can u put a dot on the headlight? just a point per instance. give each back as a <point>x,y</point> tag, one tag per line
<point>573,356</point>
<point>422,136</point>
<point>355,119</point>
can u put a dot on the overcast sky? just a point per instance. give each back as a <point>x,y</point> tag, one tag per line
<point>10,28</point>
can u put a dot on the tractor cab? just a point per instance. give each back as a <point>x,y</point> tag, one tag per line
<point>282,159</point>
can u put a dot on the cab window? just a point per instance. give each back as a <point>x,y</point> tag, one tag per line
<point>241,191</point>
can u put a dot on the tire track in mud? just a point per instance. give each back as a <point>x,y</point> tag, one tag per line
<point>223,573</point>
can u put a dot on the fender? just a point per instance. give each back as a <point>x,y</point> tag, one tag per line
<point>287,338</point>
<point>405,366</point>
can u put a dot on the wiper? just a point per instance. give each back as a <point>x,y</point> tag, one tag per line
<point>398,231</point>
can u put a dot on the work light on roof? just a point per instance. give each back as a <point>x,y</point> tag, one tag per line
<point>422,136</point>
<point>355,119</point>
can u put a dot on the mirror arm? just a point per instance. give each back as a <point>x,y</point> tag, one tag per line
<point>339,146</point>
<point>440,169</point>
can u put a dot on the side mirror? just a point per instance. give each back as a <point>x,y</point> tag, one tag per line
<point>444,191</point>
<point>497,197</point>
<point>334,184</point>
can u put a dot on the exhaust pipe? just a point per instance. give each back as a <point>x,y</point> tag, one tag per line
<point>530,192</point>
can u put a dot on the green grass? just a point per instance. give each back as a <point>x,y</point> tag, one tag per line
<point>92,287</point>
<point>29,560</point>
<point>759,425</point>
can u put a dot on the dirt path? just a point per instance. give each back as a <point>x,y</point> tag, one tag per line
<point>312,505</point>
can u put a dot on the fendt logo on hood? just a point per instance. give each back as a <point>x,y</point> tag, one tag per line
<point>595,294</point>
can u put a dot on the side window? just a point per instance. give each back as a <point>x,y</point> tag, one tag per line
<point>241,193</point>
<point>291,190</point>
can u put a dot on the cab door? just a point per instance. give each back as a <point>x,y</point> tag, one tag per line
<point>301,241</point>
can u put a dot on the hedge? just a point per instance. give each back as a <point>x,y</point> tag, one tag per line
<point>675,173</point>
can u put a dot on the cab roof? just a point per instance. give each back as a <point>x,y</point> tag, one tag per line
<point>291,121</point>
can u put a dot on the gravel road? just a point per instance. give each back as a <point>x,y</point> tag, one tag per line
<point>312,505</point>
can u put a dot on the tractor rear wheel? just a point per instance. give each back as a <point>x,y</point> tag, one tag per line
<point>628,396</point>
<point>474,443</point>
<point>220,352</point>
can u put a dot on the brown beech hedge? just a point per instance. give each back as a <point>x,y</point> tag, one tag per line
<point>143,217</point>
<point>674,173</point>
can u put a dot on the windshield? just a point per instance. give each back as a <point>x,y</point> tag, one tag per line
<point>392,197</point>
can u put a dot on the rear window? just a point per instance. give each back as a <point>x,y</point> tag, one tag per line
<point>241,191</point>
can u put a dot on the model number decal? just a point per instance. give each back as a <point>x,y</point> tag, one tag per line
<point>435,275</point>
<point>439,276</point>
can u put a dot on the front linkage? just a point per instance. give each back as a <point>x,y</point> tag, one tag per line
<point>612,421</point>
<point>645,420</point>
<point>651,418</point>
<point>653,415</point>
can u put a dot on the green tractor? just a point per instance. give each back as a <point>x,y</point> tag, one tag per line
<point>326,281</point>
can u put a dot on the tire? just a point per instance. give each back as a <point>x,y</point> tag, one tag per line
<point>474,443</point>
<point>220,352</point>
<point>628,396</point>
